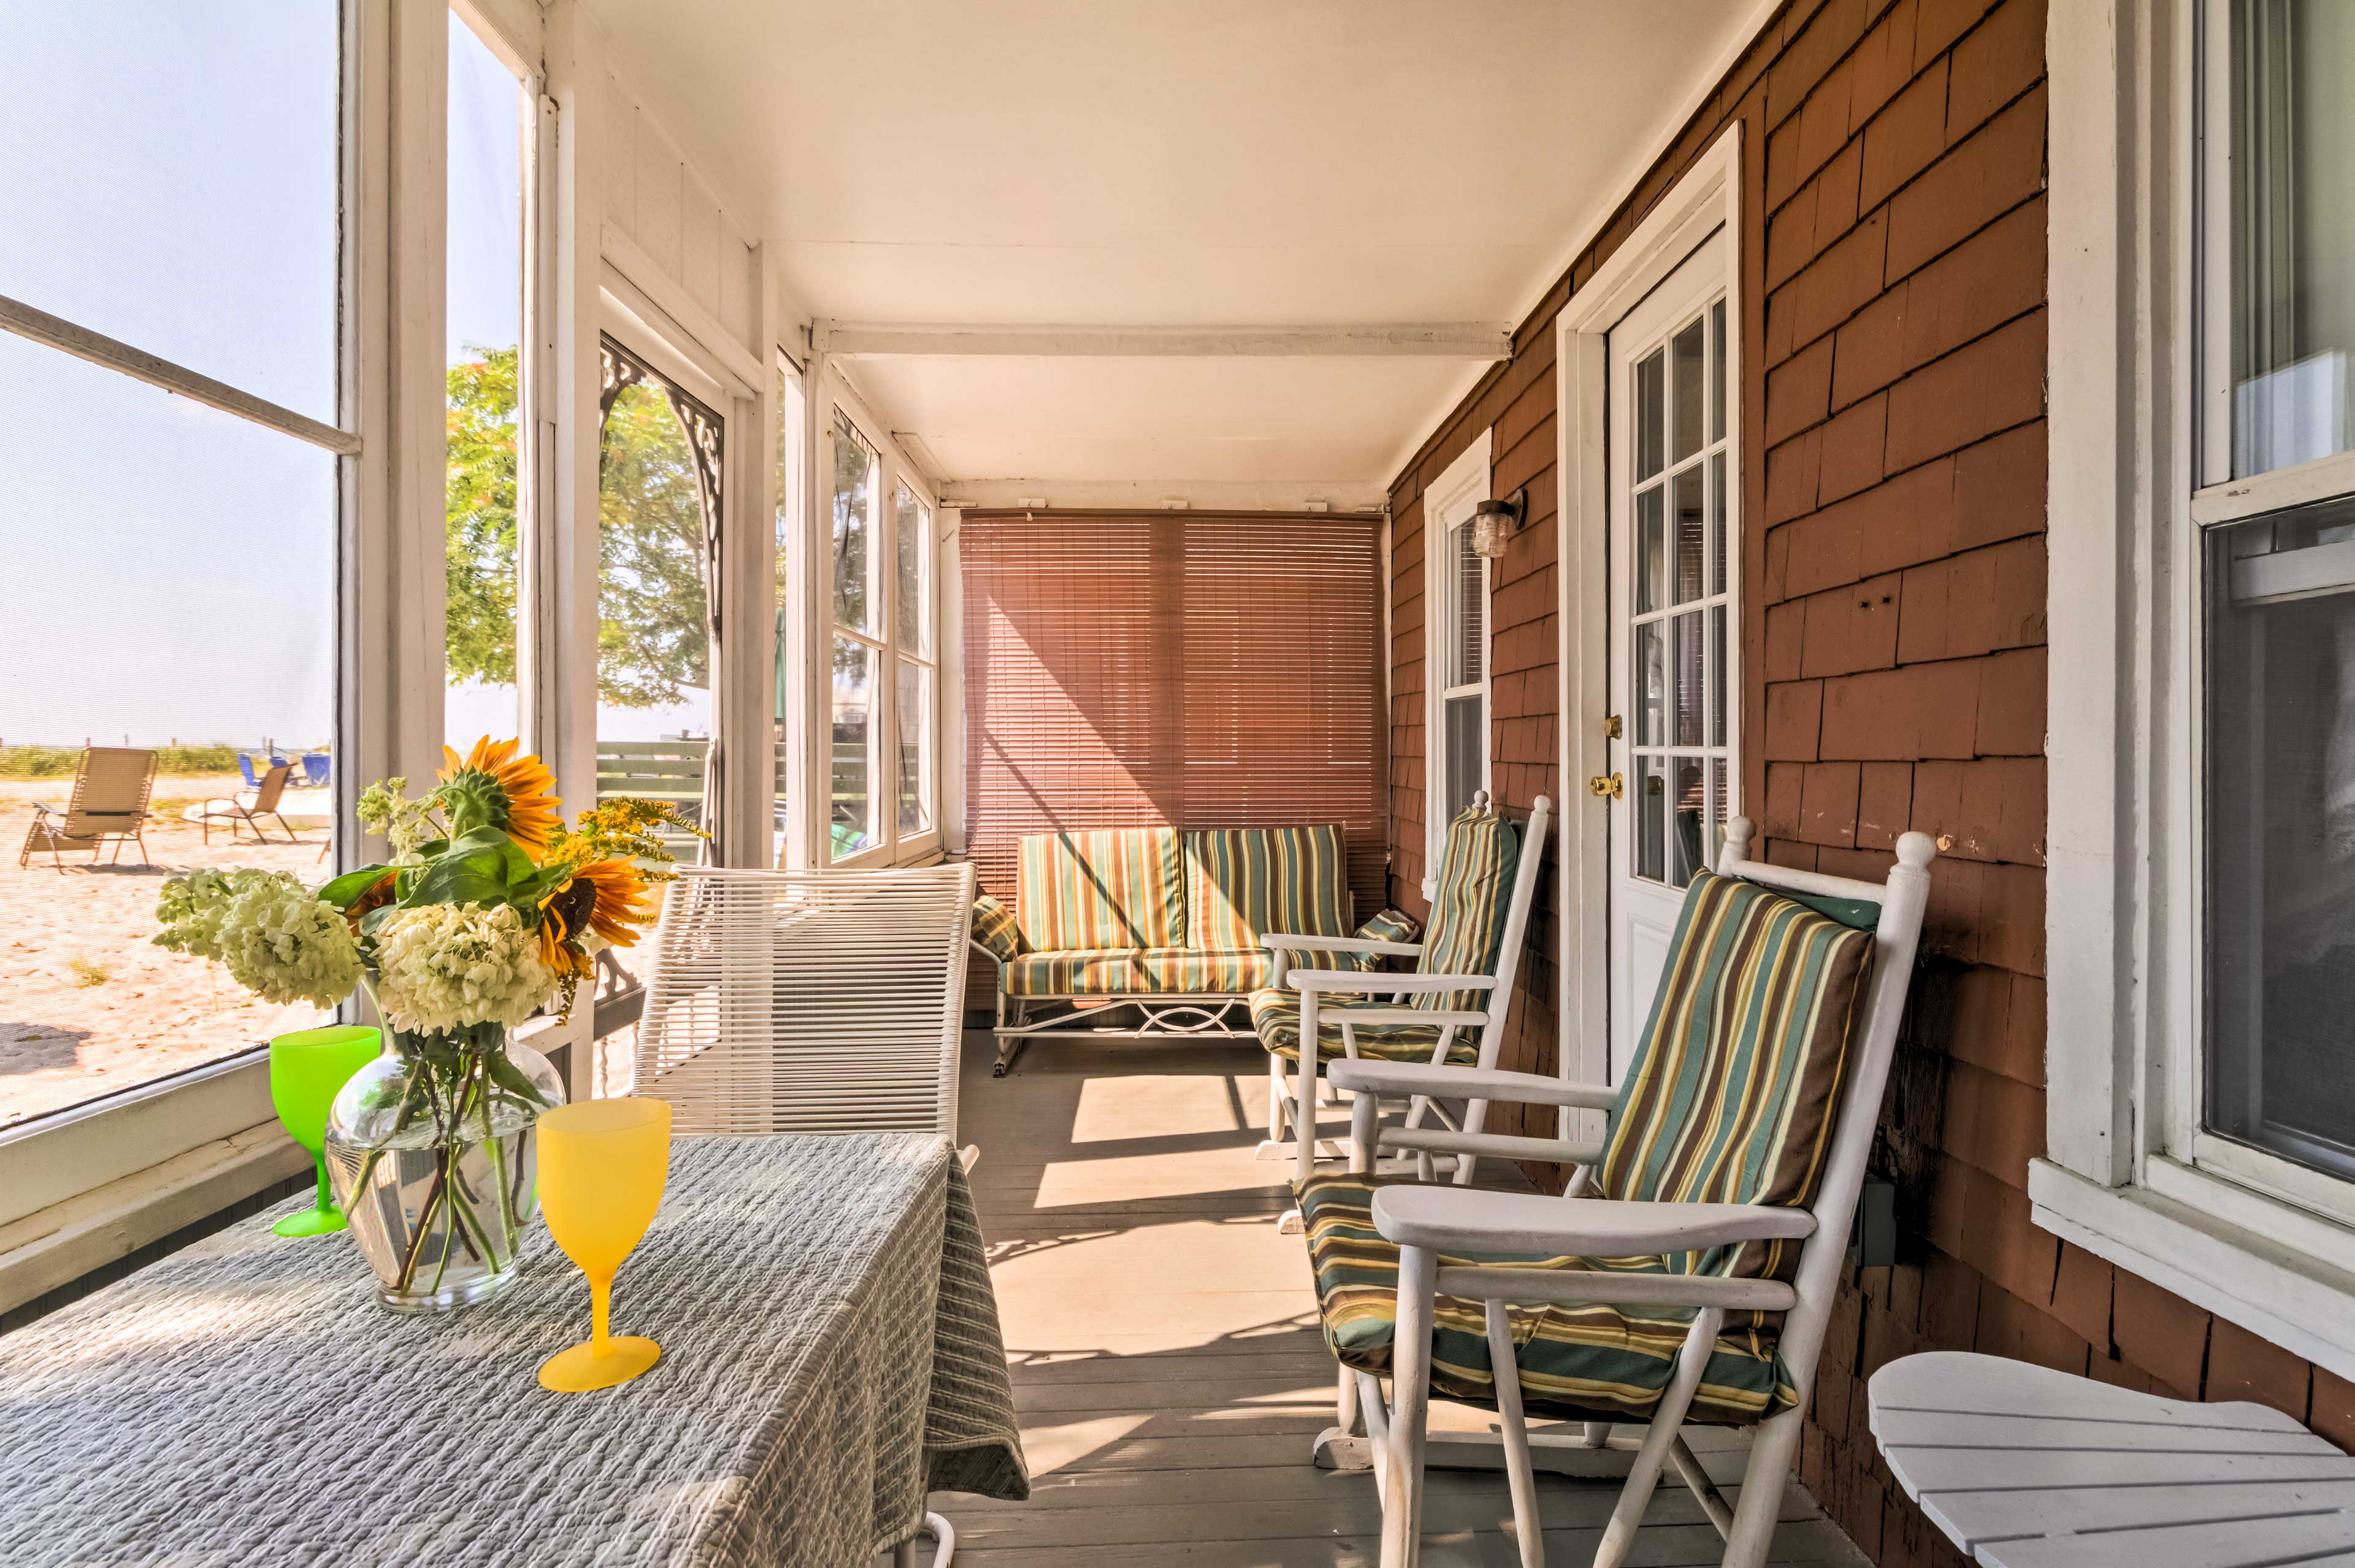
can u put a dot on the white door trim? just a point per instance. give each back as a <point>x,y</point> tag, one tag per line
<point>1705,198</point>
<point>1460,486</point>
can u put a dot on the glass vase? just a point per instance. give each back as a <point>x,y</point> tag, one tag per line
<point>429,1148</point>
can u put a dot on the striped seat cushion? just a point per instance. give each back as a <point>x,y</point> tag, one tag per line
<point>1243,884</point>
<point>1388,926</point>
<point>1737,1073</point>
<point>1276,1016</point>
<point>1117,888</point>
<point>1467,918</point>
<point>994,928</point>
<point>1136,971</point>
<point>1592,1362</point>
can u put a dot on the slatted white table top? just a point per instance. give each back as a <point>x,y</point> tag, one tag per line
<point>2026,1467</point>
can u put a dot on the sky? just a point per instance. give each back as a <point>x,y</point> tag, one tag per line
<point>170,182</point>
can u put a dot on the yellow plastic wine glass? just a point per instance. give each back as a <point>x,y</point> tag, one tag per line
<point>602,1167</point>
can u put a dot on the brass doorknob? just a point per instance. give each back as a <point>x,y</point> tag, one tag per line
<point>1609,787</point>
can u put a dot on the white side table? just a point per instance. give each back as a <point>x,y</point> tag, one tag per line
<point>2022,1467</point>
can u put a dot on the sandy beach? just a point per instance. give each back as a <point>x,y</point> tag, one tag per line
<point>89,1004</point>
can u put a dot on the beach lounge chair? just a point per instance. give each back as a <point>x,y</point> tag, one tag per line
<point>237,812</point>
<point>110,800</point>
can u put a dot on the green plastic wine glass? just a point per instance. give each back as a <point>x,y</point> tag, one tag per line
<point>307,1070</point>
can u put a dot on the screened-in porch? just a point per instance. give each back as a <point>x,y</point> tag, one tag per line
<point>1234,784</point>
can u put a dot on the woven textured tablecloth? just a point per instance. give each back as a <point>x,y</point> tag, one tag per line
<point>830,1352</point>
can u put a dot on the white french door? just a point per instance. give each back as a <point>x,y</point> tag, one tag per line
<point>1672,634</point>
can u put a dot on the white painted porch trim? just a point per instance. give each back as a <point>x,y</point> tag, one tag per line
<point>1152,496</point>
<point>2278,1293</point>
<point>1708,197</point>
<point>1442,340</point>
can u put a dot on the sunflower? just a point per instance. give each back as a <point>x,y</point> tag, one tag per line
<point>379,893</point>
<point>494,786</point>
<point>608,899</point>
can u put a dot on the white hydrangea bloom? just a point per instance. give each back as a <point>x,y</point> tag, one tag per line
<point>193,907</point>
<point>281,944</point>
<point>447,967</point>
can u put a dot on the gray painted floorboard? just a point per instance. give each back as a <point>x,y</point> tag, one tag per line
<point>1164,1345</point>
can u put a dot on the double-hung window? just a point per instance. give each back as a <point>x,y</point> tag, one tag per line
<point>2202,1100</point>
<point>1455,651</point>
<point>882,775</point>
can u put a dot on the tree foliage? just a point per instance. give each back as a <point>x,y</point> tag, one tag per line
<point>652,639</point>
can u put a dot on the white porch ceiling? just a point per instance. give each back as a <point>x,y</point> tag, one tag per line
<point>1205,163</point>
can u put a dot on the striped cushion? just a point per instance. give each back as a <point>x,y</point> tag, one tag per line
<point>1276,1016</point>
<point>1595,1363</point>
<point>1388,926</point>
<point>1242,884</point>
<point>1467,918</point>
<point>994,928</point>
<point>1122,887</point>
<point>1136,971</point>
<point>1731,1097</point>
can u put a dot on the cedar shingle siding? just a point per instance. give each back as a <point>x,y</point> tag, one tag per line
<point>1894,575</point>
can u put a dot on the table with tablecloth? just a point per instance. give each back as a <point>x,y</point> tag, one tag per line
<point>831,1352</point>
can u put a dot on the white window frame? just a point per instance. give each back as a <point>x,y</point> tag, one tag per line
<point>2254,1239</point>
<point>1447,505</point>
<point>893,470</point>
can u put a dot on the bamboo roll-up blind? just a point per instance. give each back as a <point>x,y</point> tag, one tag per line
<point>1188,669</point>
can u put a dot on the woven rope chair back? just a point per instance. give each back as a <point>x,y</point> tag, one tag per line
<point>807,1001</point>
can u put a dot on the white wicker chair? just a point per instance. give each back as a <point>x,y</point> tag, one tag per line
<point>810,1002</point>
<point>807,1001</point>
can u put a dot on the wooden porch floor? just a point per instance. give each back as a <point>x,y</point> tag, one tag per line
<point>1165,1357</point>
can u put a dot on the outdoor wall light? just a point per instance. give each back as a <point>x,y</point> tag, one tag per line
<point>1493,523</point>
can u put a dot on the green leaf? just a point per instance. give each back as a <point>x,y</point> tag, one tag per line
<point>342,891</point>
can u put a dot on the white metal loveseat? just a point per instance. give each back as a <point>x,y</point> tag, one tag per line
<point>1688,1272</point>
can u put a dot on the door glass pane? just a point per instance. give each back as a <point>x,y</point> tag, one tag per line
<point>913,522</point>
<point>1689,529</point>
<point>654,600</point>
<point>1649,415</point>
<point>853,825</point>
<point>1647,564</point>
<point>856,472</point>
<point>1717,541</point>
<point>1689,810</point>
<point>1721,806</point>
<point>1717,675</point>
<point>1687,721</point>
<point>1687,355</point>
<point>1717,371</point>
<point>171,180</point>
<point>1651,686</point>
<point>483,286</point>
<point>786,655</point>
<point>915,697</point>
<point>2280,820</point>
<point>2293,218</point>
<point>174,606</point>
<point>1649,809</point>
<point>1466,743</point>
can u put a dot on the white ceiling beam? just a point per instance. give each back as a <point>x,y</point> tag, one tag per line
<point>1444,340</point>
<point>1156,494</point>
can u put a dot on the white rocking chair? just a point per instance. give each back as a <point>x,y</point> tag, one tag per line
<point>1426,1221</point>
<point>1494,989</point>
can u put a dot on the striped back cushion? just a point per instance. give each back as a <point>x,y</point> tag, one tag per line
<point>1467,918</point>
<point>1243,884</point>
<point>1119,888</point>
<point>1737,1076</point>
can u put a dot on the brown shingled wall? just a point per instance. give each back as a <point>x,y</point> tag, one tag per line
<point>1894,607</point>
